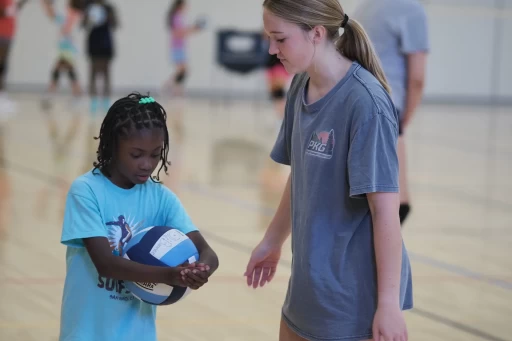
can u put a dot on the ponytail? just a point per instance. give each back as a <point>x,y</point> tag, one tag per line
<point>355,44</point>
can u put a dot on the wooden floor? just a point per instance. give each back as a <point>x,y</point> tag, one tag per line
<point>461,178</point>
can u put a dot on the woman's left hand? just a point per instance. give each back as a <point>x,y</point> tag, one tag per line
<point>389,323</point>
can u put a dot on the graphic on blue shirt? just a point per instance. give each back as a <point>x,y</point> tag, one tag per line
<point>321,144</point>
<point>120,232</point>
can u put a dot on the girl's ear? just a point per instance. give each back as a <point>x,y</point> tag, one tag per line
<point>318,33</point>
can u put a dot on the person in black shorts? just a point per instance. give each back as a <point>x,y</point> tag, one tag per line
<point>100,20</point>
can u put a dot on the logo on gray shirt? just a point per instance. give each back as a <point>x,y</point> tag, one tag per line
<point>321,144</point>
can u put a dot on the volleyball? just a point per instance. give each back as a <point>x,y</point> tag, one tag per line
<point>160,246</point>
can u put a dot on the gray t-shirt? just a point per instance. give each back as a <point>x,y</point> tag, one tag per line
<point>339,148</point>
<point>396,29</point>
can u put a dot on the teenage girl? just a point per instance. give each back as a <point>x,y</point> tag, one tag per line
<point>67,49</point>
<point>100,20</point>
<point>96,305</point>
<point>350,276</point>
<point>403,50</point>
<point>179,32</point>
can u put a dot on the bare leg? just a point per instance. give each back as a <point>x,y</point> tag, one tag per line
<point>93,72</point>
<point>52,88</point>
<point>7,106</point>
<point>70,68</point>
<point>178,80</point>
<point>5,48</point>
<point>402,160</point>
<point>93,91</point>
<point>403,179</point>
<point>77,90</point>
<point>286,334</point>
<point>104,69</point>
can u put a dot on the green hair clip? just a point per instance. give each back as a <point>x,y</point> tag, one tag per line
<point>147,100</point>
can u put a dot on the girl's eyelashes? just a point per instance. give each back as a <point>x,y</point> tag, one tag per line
<point>156,155</point>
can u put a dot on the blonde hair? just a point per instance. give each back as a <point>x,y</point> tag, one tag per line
<point>354,43</point>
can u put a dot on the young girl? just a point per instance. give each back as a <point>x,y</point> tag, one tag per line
<point>179,32</point>
<point>100,20</point>
<point>8,20</point>
<point>350,275</point>
<point>96,304</point>
<point>67,49</point>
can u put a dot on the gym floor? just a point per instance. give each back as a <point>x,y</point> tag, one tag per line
<point>457,234</point>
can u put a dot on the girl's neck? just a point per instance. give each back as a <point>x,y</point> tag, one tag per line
<point>117,179</point>
<point>326,71</point>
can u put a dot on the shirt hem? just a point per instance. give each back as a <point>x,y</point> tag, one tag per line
<point>71,241</point>
<point>279,159</point>
<point>361,190</point>
<point>310,337</point>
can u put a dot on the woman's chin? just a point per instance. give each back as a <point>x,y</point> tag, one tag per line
<point>291,69</point>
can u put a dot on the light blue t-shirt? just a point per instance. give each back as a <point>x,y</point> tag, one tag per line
<point>99,308</point>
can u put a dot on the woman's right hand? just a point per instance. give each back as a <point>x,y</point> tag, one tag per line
<point>263,263</point>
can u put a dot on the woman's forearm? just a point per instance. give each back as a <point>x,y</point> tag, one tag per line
<point>281,225</point>
<point>388,245</point>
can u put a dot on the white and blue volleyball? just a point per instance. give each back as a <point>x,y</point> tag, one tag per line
<point>160,246</point>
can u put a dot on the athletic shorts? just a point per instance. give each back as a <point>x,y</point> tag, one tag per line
<point>178,56</point>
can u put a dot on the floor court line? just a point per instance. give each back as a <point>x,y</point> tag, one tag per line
<point>456,325</point>
<point>413,256</point>
<point>269,212</point>
<point>497,204</point>
<point>257,208</point>
<point>417,311</point>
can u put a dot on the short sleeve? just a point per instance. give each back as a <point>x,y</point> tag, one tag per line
<point>372,158</point>
<point>175,214</point>
<point>414,32</point>
<point>280,151</point>
<point>82,218</point>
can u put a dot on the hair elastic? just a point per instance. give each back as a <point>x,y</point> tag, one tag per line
<point>345,21</point>
<point>146,100</point>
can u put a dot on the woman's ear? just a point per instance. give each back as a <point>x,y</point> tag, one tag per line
<point>318,34</point>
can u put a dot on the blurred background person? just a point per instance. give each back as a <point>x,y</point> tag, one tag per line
<point>399,32</point>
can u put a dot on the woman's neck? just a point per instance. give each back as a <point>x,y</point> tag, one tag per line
<point>326,72</point>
